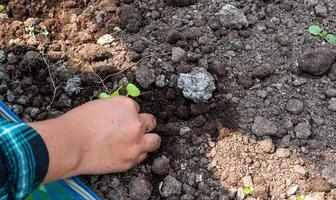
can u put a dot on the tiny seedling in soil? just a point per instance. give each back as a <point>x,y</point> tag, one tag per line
<point>248,190</point>
<point>317,31</point>
<point>131,91</point>
<point>301,197</point>
<point>31,30</point>
<point>117,29</point>
<point>2,8</point>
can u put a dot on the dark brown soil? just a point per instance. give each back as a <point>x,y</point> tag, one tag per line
<point>256,75</point>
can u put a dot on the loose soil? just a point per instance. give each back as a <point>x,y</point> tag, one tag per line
<point>226,148</point>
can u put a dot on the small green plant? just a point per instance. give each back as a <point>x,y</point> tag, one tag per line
<point>45,32</point>
<point>117,29</point>
<point>248,190</point>
<point>317,31</point>
<point>2,8</point>
<point>31,29</point>
<point>301,197</point>
<point>131,90</point>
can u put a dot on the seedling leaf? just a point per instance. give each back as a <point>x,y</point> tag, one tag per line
<point>301,197</point>
<point>117,29</point>
<point>132,90</point>
<point>314,30</point>
<point>2,8</point>
<point>103,95</point>
<point>323,34</point>
<point>248,190</point>
<point>115,93</point>
<point>331,38</point>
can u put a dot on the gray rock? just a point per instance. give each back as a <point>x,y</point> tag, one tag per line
<point>312,3</point>
<point>3,56</point>
<point>35,112</point>
<point>3,89</point>
<point>10,96</point>
<point>302,130</point>
<point>285,141</point>
<point>187,197</point>
<point>264,127</point>
<point>329,173</point>
<point>262,71</point>
<point>317,62</point>
<point>170,187</point>
<point>23,100</point>
<point>293,189</point>
<point>140,188</point>
<point>262,94</point>
<point>294,106</point>
<point>73,86</point>
<point>64,101</point>
<point>173,37</point>
<point>282,153</point>
<point>139,46</point>
<point>177,54</point>
<point>330,92</point>
<point>197,85</point>
<point>231,17</point>
<point>161,166</point>
<point>266,146</point>
<point>144,76</point>
<point>321,11</point>
<point>11,58</point>
<point>17,109</point>
<point>160,81</point>
<point>184,130</point>
<point>332,104</point>
<point>105,39</point>
<point>130,18</point>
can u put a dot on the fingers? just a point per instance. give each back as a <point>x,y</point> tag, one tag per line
<point>151,142</point>
<point>141,158</point>
<point>148,121</point>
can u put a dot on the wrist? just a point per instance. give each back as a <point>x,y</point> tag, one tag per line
<point>64,149</point>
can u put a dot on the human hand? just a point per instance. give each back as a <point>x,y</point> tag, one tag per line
<point>102,136</point>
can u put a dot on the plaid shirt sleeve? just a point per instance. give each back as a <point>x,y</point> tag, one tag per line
<point>24,160</point>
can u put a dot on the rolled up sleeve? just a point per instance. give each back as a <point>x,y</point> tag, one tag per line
<point>24,160</point>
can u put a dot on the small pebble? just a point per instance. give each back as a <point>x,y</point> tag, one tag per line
<point>332,104</point>
<point>282,153</point>
<point>294,106</point>
<point>105,39</point>
<point>3,56</point>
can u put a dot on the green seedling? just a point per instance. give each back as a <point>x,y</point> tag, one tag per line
<point>2,8</point>
<point>103,95</point>
<point>317,31</point>
<point>116,93</point>
<point>31,30</point>
<point>301,197</point>
<point>117,29</point>
<point>45,32</point>
<point>248,190</point>
<point>131,91</point>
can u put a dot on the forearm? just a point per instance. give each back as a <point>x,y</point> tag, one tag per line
<point>63,146</point>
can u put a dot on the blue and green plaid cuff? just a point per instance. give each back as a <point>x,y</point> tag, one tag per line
<point>25,156</point>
